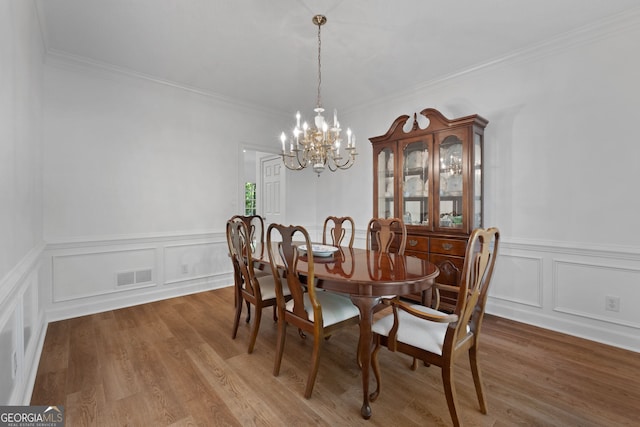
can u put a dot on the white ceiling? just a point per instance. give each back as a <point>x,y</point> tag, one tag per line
<point>264,52</point>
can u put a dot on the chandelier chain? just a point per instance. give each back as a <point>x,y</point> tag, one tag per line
<point>319,100</point>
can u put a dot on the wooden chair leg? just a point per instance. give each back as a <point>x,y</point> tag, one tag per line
<point>376,370</point>
<point>254,330</point>
<point>236,320</point>
<point>414,364</point>
<point>315,364</point>
<point>477,379</point>
<point>282,332</point>
<point>450,393</point>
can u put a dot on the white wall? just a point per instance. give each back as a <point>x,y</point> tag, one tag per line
<point>21,245</point>
<point>153,158</point>
<point>561,170</point>
<point>138,176</point>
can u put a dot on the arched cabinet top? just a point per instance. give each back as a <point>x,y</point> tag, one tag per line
<point>437,122</point>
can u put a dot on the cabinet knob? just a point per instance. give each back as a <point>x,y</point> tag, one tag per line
<point>447,246</point>
<point>413,242</point>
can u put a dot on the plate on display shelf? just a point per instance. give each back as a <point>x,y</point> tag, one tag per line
<point>320,250</point>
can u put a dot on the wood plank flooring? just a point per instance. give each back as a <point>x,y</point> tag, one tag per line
<point>173,363</point>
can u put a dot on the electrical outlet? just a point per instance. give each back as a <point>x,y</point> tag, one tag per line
<point>612,303</point>
<point>185,269</point>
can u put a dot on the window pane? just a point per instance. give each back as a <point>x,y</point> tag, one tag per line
<point>250,198</point>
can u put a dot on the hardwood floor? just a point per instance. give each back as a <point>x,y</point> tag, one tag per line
<point>173,362</point>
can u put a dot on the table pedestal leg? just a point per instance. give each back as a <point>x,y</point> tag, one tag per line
<point>365,305</point>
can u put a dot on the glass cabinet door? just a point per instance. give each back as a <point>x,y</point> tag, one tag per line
<point>450,177</point>
<point>386,183</point>
<point>477,180</point>
<point>415,183</point>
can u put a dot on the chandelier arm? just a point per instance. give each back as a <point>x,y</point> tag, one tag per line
<point>289,164</point>
<point>291,167</point>
<point>349,161</point>
<point>301,164</point>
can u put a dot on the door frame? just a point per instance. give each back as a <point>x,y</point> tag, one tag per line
<point>269,152</point>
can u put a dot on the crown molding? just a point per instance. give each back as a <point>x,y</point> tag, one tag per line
<point>63,59</point>
<point>619,252</point>
<point>608,27</point>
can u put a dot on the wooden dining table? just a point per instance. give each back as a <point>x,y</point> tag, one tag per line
<point>366,275</point>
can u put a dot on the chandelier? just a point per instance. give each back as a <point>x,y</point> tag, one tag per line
<point>320,145</point>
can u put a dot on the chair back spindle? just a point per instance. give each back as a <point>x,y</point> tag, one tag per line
<point>383,232</point>
<point>337,229</point>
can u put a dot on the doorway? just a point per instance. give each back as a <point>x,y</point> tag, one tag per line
<point>263,181</point>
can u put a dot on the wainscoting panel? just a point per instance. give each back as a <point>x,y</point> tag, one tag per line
<point>590,292</point>
<point>518,279</point>
<point>8,355</point>
<point>87,277</point>
<point>186,262</point>
<point>22,329</point>
<point>86,274</point>
<point>599,282</point>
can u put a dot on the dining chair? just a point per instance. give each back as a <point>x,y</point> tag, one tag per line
<point>255,225</point>
<point>337,228</point>
<point>387,235</point>
<point>438,338</point>
<point>317,313</point>
<point>259,291</point>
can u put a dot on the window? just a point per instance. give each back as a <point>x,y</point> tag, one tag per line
<point>250,198</point>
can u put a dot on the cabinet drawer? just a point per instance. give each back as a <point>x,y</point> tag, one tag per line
<point>448,246</point>
<point>417,243</point>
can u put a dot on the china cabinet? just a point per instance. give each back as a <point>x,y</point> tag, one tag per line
<point>432,178</point>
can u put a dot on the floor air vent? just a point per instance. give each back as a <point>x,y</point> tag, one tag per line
<point>128,278</point>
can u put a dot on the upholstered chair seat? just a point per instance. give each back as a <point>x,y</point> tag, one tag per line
<point>417,332</point>
<point>335,307</point>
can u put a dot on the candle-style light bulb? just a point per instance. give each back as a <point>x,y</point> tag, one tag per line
<point>283,138</point>
<point>296,133</point>
<point>298,119</point>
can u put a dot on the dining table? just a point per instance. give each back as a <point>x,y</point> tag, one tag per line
<point>366,276</point>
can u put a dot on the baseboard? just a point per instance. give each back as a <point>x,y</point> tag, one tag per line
<point>113,302</point>
<point>603,333</point>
